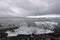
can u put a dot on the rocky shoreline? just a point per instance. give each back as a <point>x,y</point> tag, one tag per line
<point>50,36</point>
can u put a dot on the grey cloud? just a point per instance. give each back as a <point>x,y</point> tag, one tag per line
<point>29,7</point>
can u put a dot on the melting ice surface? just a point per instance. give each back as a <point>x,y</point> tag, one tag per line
<point>24,29</point>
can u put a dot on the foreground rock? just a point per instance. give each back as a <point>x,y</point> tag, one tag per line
<point>50,36</point>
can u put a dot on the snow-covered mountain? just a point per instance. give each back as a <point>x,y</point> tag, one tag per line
<point>44,16</point>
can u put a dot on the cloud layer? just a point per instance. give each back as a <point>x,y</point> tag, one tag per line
<point>29,7</point>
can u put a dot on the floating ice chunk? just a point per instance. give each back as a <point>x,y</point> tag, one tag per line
<point>28,30</point>
<point>24,29</point>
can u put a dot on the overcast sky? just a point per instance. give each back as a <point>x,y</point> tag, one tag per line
<point>29,7</point>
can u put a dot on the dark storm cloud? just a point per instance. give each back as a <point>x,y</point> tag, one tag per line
<point>29,7</point>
